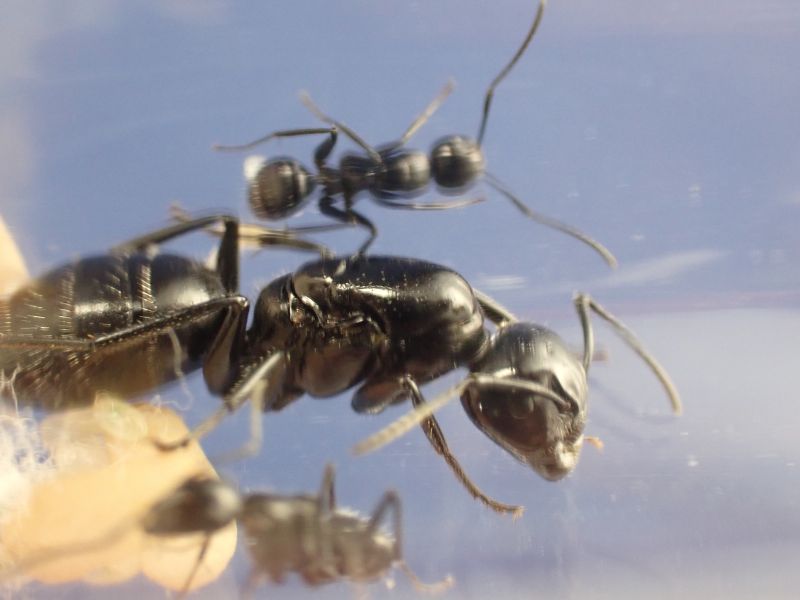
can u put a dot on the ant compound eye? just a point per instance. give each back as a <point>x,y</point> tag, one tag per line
<point>279,188</point>
<point>456,162</point>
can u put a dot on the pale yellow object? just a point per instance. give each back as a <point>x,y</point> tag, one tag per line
<point>108,475</point>
<point>12,268</point>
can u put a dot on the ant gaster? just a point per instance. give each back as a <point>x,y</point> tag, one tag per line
<point>128,321</point>
<point>390,173</point>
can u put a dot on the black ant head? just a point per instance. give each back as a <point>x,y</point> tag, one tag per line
<point>457,162</point>
<point>541,429</point>
<point>198,506</point>
<point>279,188</point>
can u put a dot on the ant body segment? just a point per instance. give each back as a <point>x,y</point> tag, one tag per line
<point>391,174</point>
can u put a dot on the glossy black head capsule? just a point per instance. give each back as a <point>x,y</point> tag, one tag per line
<point>534,429</point>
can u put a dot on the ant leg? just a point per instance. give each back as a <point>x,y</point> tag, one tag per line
<point>583,302</point>
<point>305,98</point>
<point>493,310</point>
<point>604,252</point>
<point>487,101</point>
<point>426,114</point>
<point>389,202</point>
<point>149,329</point>
<point>349,215</point>
<point>278,134</point>
<point>252,234</point>
<point>327,493</point>
<point>228,254</point>
<point>201,556</point>
<point>391,502</point>
<point>436,437</point>
<point>252,386</point>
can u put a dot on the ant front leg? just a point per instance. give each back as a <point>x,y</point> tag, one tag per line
<point>390,501</point>
<point>258,382</point>
<point>436,437</point>
<point>259,237</point>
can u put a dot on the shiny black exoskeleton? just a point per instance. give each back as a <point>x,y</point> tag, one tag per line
<point>128,321</point>
<point>391,174</point>
<point>303,534</point>
<point>386,325</point>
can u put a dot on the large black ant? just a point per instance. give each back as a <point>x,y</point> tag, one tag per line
<point>128,322</point>
<point>388,325</point>
<point>390,173</point>
<point>303,534</point>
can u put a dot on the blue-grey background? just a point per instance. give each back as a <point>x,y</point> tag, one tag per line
<point>667,130</point>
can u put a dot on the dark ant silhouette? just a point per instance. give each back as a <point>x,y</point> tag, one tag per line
<point>390,173</point>
<point>303,534</point>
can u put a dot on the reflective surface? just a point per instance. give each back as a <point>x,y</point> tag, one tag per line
<point>667,132</point>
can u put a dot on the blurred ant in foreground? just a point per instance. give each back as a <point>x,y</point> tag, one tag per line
<point>390,173</point>
<point>303,534</point>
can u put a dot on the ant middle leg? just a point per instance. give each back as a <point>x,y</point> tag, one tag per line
<point>350,216</point>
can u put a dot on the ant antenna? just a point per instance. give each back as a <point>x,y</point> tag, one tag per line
<point>411,419</point>
<point>604,252</point>
<point>268,137</point>
<point>487,102</point>
<point>583,303</point>
<point>426,114</point>
<point>305,98</point>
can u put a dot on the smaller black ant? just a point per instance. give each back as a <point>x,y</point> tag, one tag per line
<point>390,173</point>
<point>302,534</point>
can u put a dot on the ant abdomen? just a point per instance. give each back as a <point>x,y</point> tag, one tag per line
<point>279,188</point>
